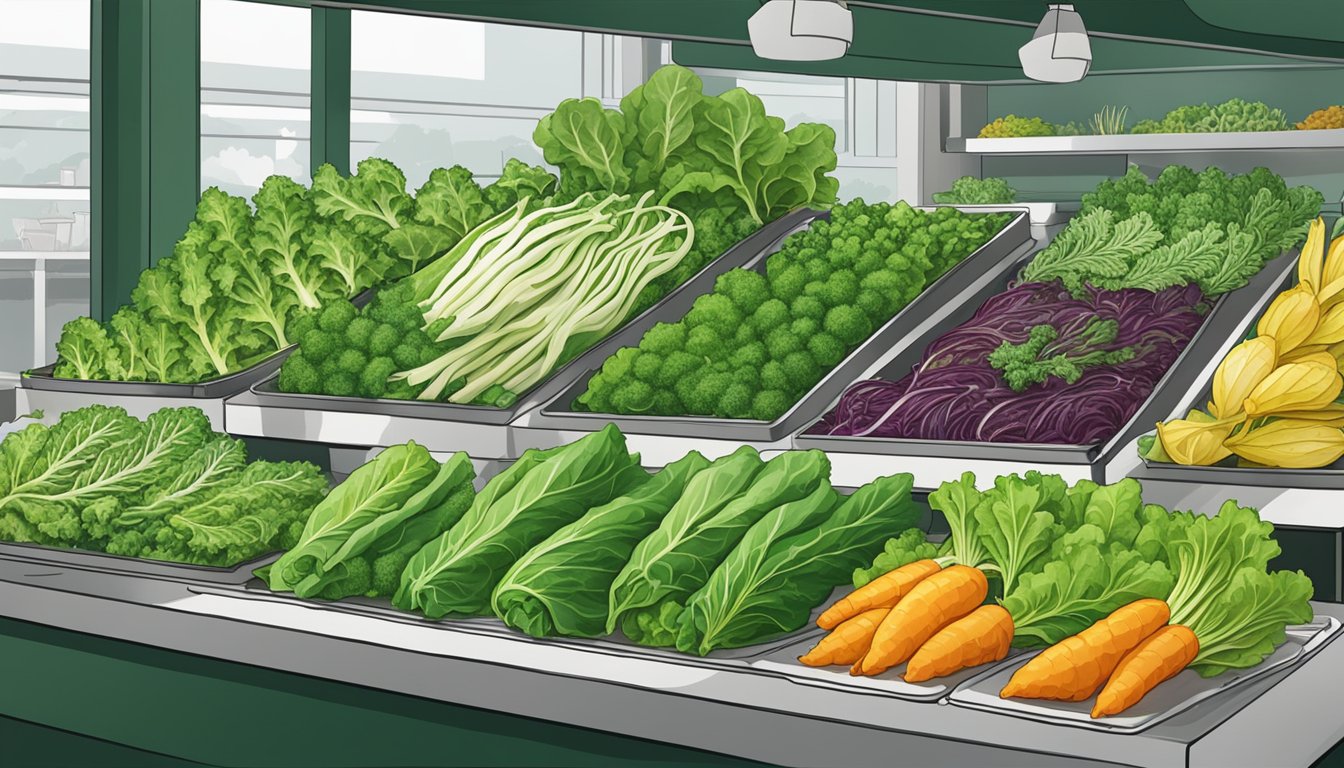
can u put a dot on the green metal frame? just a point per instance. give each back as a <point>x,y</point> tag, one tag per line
<point>329,118</point>
<point>144,138</point>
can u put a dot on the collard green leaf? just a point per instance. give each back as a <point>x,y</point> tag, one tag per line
<point>790,561</point>
<point>475,553</point>
<point>586,141</point>
<point>1014,527</point>
<point>1250,617</point>
<point>1115,510</point>
<point>560,586</point>
<point>662,116</point>
<point>695,537</point>
<point>377,488</point>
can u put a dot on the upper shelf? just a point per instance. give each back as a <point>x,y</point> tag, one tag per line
<point>1123,144</point>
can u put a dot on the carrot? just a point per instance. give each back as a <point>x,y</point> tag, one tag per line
<point>1075,667</point>
<point>931,605</point>
<point>882,592</point>
<point>846,643</point>
<point>1161,657</point>
<point>981,637</point>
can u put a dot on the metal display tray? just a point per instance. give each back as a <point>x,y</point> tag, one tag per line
<point>995,257</point>
<point>165,569</point>
<point>1168,699</point>
<point>677,302</point>
<point>232,384</point>
<point>1232,313</point>
<point>489,626</point>
<point>224,386</point>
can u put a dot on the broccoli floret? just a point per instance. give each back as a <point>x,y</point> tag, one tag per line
<point>748,290</point>
<point>648,367</point>
<point>788,284</point>
<point>781,342</point>
<point>746,334</point>
<point>770,405</point>
<point>808,306</point>
<point>359,331</point>
<point>826,349</point>
<point>383,339</point>
<point>773,376</point>
<point>708,391</point>
<point>715,311</point>
<point>664,339</point>
<point>387,570</point>
<point>336,316</point>
<point>352,361</point>
<point>770,315</point>
<point>705,342</point>
<point>847,324</point>
<point>373,381</point>
<point>319,345</point>
<point>676,367</point>
<point>804,327</point>
<point>735,402</point>
<point>301,322</point>
<point>406,356</point>
<point>801,370</point>
<point>356,579</point>
<point>752,355</point>
<point>340,384</point>
<point>633,396</point>
<point>872,304</point>
<point>299,375</point>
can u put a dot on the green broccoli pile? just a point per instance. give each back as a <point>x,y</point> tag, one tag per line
<point>758,342</point>
<point>348,352</point>
<point>968,190</point>
<point>1231,116</point>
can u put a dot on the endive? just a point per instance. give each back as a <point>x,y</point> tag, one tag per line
<point>1295,387</point>
<point>1291,317</point>
<point>1196,443</point>
<point>1241,371</point>
<point>1291,443</point>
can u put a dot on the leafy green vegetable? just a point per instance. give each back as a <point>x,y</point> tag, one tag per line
<point>560,586</point>
<point>1209,229</point>
<point>457,572</point>
<point>166,488</point>
<point>1012,126</point>
<point>1044,355</point>
<point>790,561</point>
<point>698,152</point>
<point>910,545</point>
<point>376,489</point>
<point>1231,116</point>
<point>1249,620</point>
<point>721,503</point>
<point>969,190</point>
<point>758,343</point>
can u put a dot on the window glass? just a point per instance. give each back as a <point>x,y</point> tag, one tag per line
<point>255,63</point>
<point>429,93</point>
<point>44,176</point>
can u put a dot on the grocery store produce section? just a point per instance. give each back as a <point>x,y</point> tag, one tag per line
<point>666,429</point>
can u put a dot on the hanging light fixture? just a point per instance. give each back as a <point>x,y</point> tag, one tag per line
<point>801,30</point>
<point>1059,51</point>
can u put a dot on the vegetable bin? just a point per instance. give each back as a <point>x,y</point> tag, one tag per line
<point>481,431</point>
<point>990,264</point>
<point>857,459</point>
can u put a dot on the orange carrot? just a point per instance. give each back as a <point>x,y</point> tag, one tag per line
<point>1161,657</point>
<point>981,637</point>
<point>846,643</point>
<point>1075,667</point>
<point>934,603</point>
<point>883,592</point>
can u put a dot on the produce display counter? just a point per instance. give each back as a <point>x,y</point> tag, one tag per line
<point>1150,143</point>
<point>726,708</point>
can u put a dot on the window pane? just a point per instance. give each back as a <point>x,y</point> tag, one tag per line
<point>255,62</point>
<point>429,93</point>
<point>44,176</point>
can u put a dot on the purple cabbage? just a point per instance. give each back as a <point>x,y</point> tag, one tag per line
<point>954,394</point>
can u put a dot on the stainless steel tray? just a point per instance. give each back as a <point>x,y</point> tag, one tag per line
<point>994,257</point>
<point>677,302</point>
<point>224,386</point>
<point>255,589</point>
<point>785,662</point>
<point>1226,322</point>
<point>232,384</point>
<point>1168,699</point>
<point>99,561</point>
